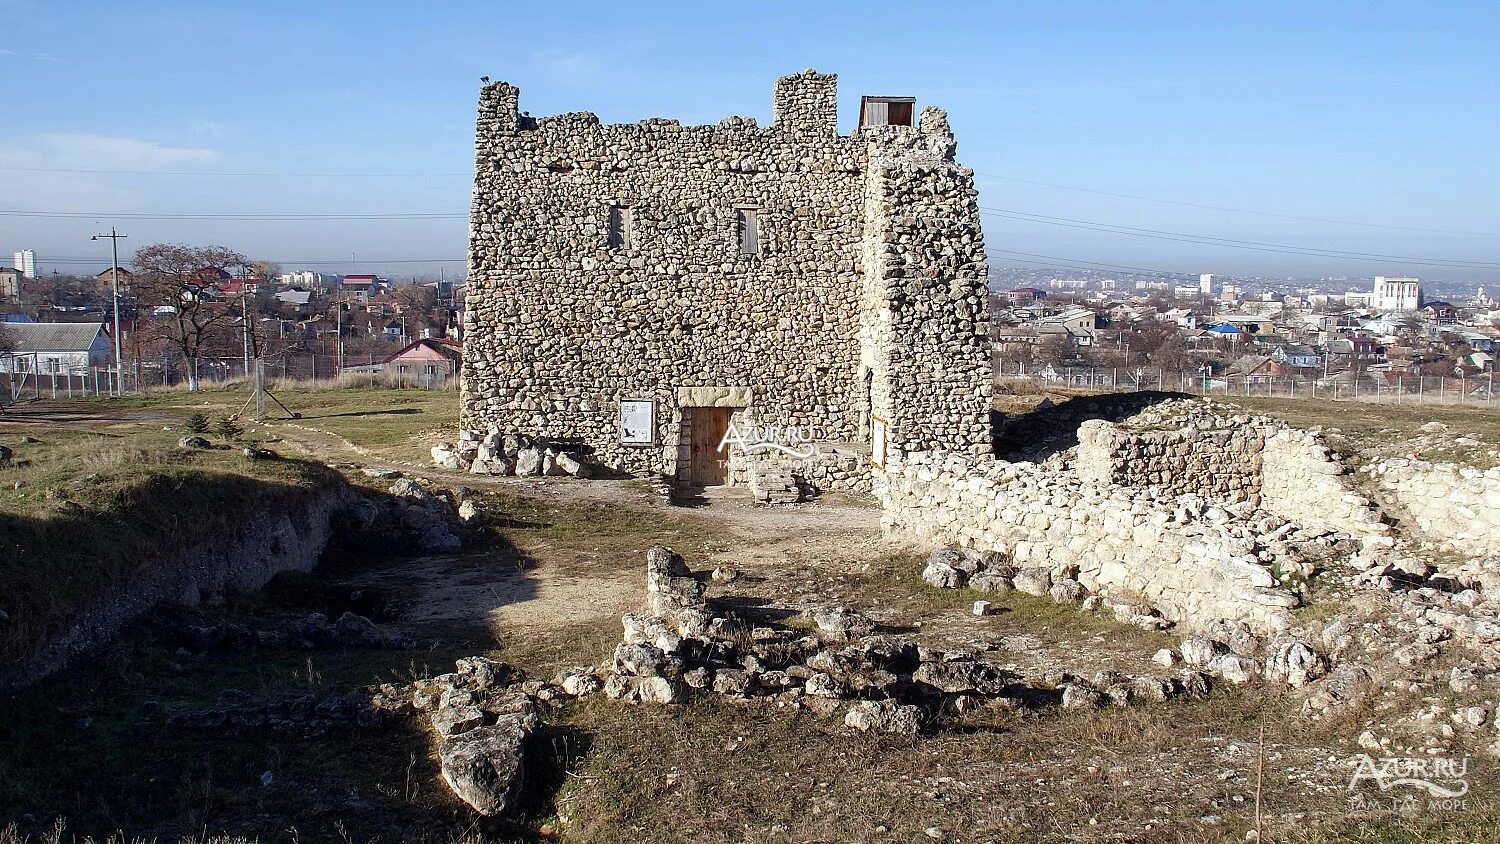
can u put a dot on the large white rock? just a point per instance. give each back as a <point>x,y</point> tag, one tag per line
<point>484,766</point>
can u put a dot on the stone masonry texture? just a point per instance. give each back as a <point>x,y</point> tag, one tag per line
<point>609,263</point>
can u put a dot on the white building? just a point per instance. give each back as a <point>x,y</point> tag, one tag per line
<point>1206,284</point>
<point>56,347</point>
<point>302,278</point>
<point>26,263</point>
<point>1396,294</point>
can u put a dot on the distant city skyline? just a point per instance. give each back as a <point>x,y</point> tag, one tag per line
<point>1280,124</point>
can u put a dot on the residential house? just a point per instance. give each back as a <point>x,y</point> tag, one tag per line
<point>1257,369</point>
<point>1023,295</point>
<point>104,281</point>
<point>56,347</point>
<point>300,301</point>
<point>427,362</point>
<point>359,287</point>
<point>1182,317</point>
<point>1298,356</point>
<point>1441,313</point>
<point>10,283</point>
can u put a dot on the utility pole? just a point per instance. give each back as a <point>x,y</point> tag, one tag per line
<point>114,272</point>
<point>245,318</point>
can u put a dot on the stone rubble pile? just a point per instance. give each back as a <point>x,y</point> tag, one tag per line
<point>682,646</point>
<point>481,714</point>
<point>409,517</point>
<point>1419,652</point>
<point>497,452</point>
<point>285,710</point>
<point>349,630</point>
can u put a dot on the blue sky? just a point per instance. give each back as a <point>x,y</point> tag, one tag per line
<point>1380,113</point>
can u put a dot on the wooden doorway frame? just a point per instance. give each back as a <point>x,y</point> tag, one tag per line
<point>708,462</point>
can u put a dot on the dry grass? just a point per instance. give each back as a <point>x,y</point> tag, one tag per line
<point>83,509</point>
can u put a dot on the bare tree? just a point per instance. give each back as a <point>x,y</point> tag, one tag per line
<point>189,279</point>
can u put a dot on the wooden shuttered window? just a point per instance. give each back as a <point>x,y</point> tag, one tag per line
<point>747,222</point>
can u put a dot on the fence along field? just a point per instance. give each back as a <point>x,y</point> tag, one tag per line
<point>1405,389</point>
<point>25,383</point>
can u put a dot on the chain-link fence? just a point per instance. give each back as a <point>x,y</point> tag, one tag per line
<point>1342,386</point>
<point>20,382</point>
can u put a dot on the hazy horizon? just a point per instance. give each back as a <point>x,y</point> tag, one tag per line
<point>1359,131</point>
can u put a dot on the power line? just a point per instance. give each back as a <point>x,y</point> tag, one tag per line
<point>1204,240</point>
<point>1252,212</point>
<point>294,261</point>
<point>1094,264</point>
<point>290,175</point>
<point>242,218</point>
<point>1016,179</point>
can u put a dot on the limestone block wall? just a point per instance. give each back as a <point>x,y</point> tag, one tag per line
<point>1302,481</point>
<point>1283,470</point>
<point>607,264</point>
<point>1122,543</point>
<point>1455,506</point>
<point>1221,462</point>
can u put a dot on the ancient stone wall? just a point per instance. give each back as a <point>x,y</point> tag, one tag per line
<point>610,263</point>
<point>1222,462</point>
<point>1201,512</point>
<point>1302,481</point>
<point>1114,540</point>
<point>1177,449</point>
<point>1457,507</point>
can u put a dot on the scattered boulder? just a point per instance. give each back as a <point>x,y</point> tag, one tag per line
<point>1199,651</point>
<point>1077,696</point>
<point>472,511</point>
<point>1234,668</point>
<point>1067,591</point>
<point>580,682</point>
<point>843,622</point>
<point>356,631</point>
<point>941,570</point>
<point>439,539</point>
<point>638,660</point>
<point>450,721</point>
<point>193,442</point>
<point>529,463</point>
<point>962,677</point>
<point>446,456</point>
<point>884,716</point>
<point>484,766</point>
<point>989,582</point>
<point>1036,581</point>
<point>1296,663</point>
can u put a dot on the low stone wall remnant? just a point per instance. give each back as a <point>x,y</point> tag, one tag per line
<point>1456,506</point>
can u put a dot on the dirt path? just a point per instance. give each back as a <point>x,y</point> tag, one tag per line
<point>817,554</point>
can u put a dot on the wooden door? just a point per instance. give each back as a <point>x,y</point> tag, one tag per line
<point>708,464</point>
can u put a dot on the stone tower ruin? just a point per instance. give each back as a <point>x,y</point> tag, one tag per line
<point>639,288</point>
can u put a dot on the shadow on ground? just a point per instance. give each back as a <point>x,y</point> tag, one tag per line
<point>1052,427</point>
